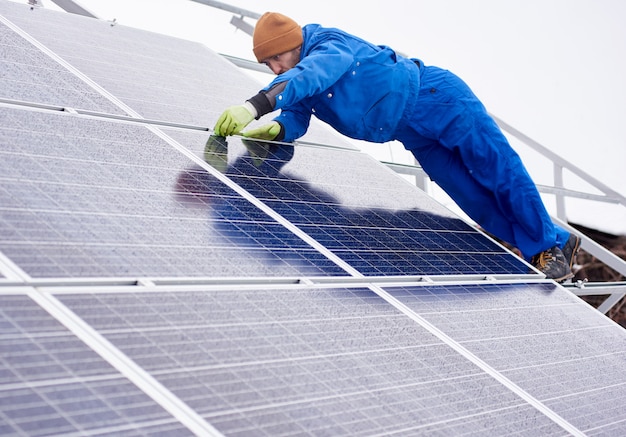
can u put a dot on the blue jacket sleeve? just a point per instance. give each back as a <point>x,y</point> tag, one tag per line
<point>295,122</point>
<point>358,88</point>
<point>325,59</point>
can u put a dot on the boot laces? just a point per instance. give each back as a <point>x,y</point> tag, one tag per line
<point>544,258</point>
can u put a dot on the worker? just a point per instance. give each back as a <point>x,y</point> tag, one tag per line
<point>370,92</point>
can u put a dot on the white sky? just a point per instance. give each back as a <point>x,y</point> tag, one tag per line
<point>553,69</point>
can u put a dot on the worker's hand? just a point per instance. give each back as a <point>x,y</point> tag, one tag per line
<point>265,132</point>
<point>233,120</point>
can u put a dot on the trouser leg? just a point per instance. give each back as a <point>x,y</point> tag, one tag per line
<point>463,150</point>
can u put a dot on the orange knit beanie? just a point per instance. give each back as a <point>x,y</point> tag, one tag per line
<point>275,34</point>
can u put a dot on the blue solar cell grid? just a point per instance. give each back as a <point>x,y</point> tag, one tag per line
<point>385,227</point>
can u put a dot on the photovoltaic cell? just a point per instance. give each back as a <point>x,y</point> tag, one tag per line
<point>51,383</point>
<point>280,361</point>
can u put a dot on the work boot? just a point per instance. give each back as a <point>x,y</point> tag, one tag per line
<point>570,250</point>
<point>552,263</point>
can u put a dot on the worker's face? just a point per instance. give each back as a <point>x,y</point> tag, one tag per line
<point>284,61</point>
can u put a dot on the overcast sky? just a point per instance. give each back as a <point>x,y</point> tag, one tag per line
<point>553,69</point>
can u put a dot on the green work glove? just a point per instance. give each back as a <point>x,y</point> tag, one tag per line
<point>265,132</point>
<point>233,120</point>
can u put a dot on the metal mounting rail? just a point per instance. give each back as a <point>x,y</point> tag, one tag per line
<point>238,19</point>
<point>123,285</point>
<point>124,118</point>
<point>226,7</point>
<point>615,290</point>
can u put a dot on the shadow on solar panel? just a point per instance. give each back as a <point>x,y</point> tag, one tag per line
<point>376,240</point>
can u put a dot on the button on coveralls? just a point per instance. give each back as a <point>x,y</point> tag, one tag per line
<point>370,93</point>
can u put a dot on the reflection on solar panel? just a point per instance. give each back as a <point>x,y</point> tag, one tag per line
<point>155,280</point>
<point>96,198</point>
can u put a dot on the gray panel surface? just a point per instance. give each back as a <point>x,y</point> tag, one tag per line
<point>152,73</point>
<point>541,337</point>
<point>30,75</point>
<point>51,383</point>
<point>159,77</point>
<point>324,361</point>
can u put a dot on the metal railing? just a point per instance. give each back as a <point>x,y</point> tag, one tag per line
<point>615,290</point>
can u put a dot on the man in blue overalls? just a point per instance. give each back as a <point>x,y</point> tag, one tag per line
<point>371,93</point>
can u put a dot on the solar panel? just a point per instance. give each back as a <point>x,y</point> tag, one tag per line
<point>52,383</point>
<point>316,186</point>
<point>343,360</point>
<point>85,197</point>
<point>534,334</point>
<point>106,187</point>
<point>159,77</point>
<point>154,283</point>
<point>276,361</point>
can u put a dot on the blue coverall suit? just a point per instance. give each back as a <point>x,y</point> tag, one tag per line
<point>370,93</point>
